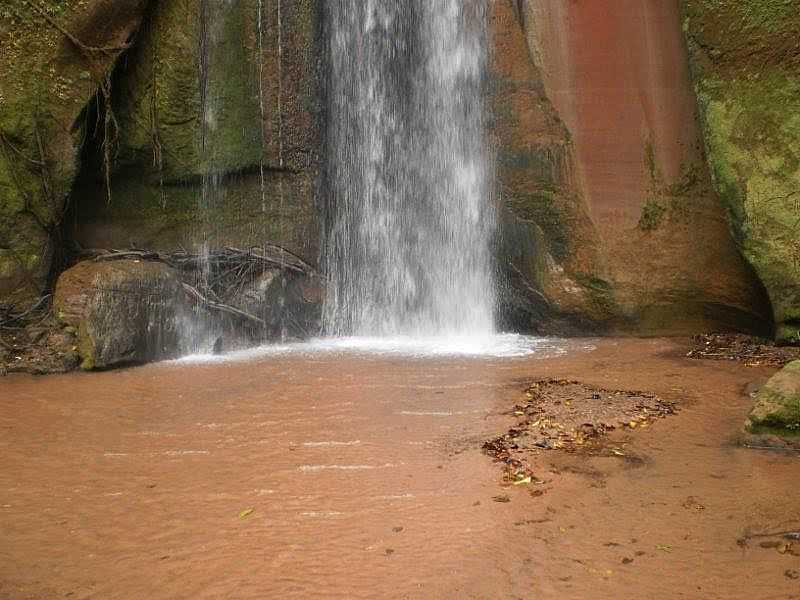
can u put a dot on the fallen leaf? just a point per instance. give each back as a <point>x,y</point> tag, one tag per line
<point>785,547</point>
<point>523,481</point>
<point>664,548</point>
<point>246,513</point>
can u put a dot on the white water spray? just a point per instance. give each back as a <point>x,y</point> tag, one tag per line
<point>408,250</point>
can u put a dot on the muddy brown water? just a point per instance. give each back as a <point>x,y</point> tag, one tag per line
<point>365,480</point>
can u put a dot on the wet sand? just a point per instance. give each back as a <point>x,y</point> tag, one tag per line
<point>365,479</point>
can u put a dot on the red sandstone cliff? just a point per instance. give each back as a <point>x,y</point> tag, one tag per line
<point>649,250</point>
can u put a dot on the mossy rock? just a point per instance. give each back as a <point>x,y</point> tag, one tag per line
<point>240,212</point>
<point>777,408</point>
<point>745,59</point>
<point>125,312</point>
<point>209,93</point>
<point>46,80</point>
<point>187,99</point>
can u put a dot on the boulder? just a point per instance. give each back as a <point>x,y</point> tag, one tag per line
<point>290,304</point>
<point>777,408</point>
<point>124,312</point>
<point>745,64</point>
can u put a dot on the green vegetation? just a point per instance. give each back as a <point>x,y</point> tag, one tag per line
<point>745,59</point>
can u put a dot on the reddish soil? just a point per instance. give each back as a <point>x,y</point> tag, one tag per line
<point>346,477</point>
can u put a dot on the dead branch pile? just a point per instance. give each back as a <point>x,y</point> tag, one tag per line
<point>268,256</point>
<point>210,278</point>
<point>750,350</point>
<point>11,318</point>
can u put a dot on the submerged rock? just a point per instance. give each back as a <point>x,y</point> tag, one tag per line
<point>124,311</point>
<point>777,408</point>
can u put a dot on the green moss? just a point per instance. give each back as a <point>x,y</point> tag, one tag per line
<point>772,16</point>
<point>753,137</point>
<point>160,111</point>
<point>789,333</point>
<point>650,161</point>
<point>86,347</point>
<point>171,217</point>
<point>652,215</point>
<point>537,163</point>
<point>600,292</point>
<point>777,407</point>
<point>543,207</point>
<point>745,59</point>
<point>45,83</point>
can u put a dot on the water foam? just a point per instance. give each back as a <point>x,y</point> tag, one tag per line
<point>507,345</point>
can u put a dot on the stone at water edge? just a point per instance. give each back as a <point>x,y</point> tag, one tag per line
<point>124,311</point>
<point>777,408</point>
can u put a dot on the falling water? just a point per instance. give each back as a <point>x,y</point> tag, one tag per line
<point>197,331</point>
<point>408,177</point>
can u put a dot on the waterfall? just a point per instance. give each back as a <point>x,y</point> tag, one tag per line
<point>408,178</point>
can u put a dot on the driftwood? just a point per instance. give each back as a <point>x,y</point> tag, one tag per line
<point>11,319</point>
<point>267,256</point>
<point>223,272</point>
<point>220,307</point>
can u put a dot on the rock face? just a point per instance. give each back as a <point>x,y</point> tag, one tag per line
<point>55,57</point>
<point>616,206</point>
<point>600,165</point>
<point>777,407</point>
<point>124,311</point>
<point>218,134</point>
<point>745,59</point>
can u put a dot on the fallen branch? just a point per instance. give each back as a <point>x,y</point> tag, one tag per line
<point>8,316</point>
<point>219,307</point>
<point>269,255</point>
<point>110,255</point>
<point>789,534</point>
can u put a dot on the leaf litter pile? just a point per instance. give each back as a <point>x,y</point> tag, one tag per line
<point>747,349</point>
<point>570,416</point>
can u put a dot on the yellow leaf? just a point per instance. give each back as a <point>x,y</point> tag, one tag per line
<point>523,481</point>
<point>246,513</point>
